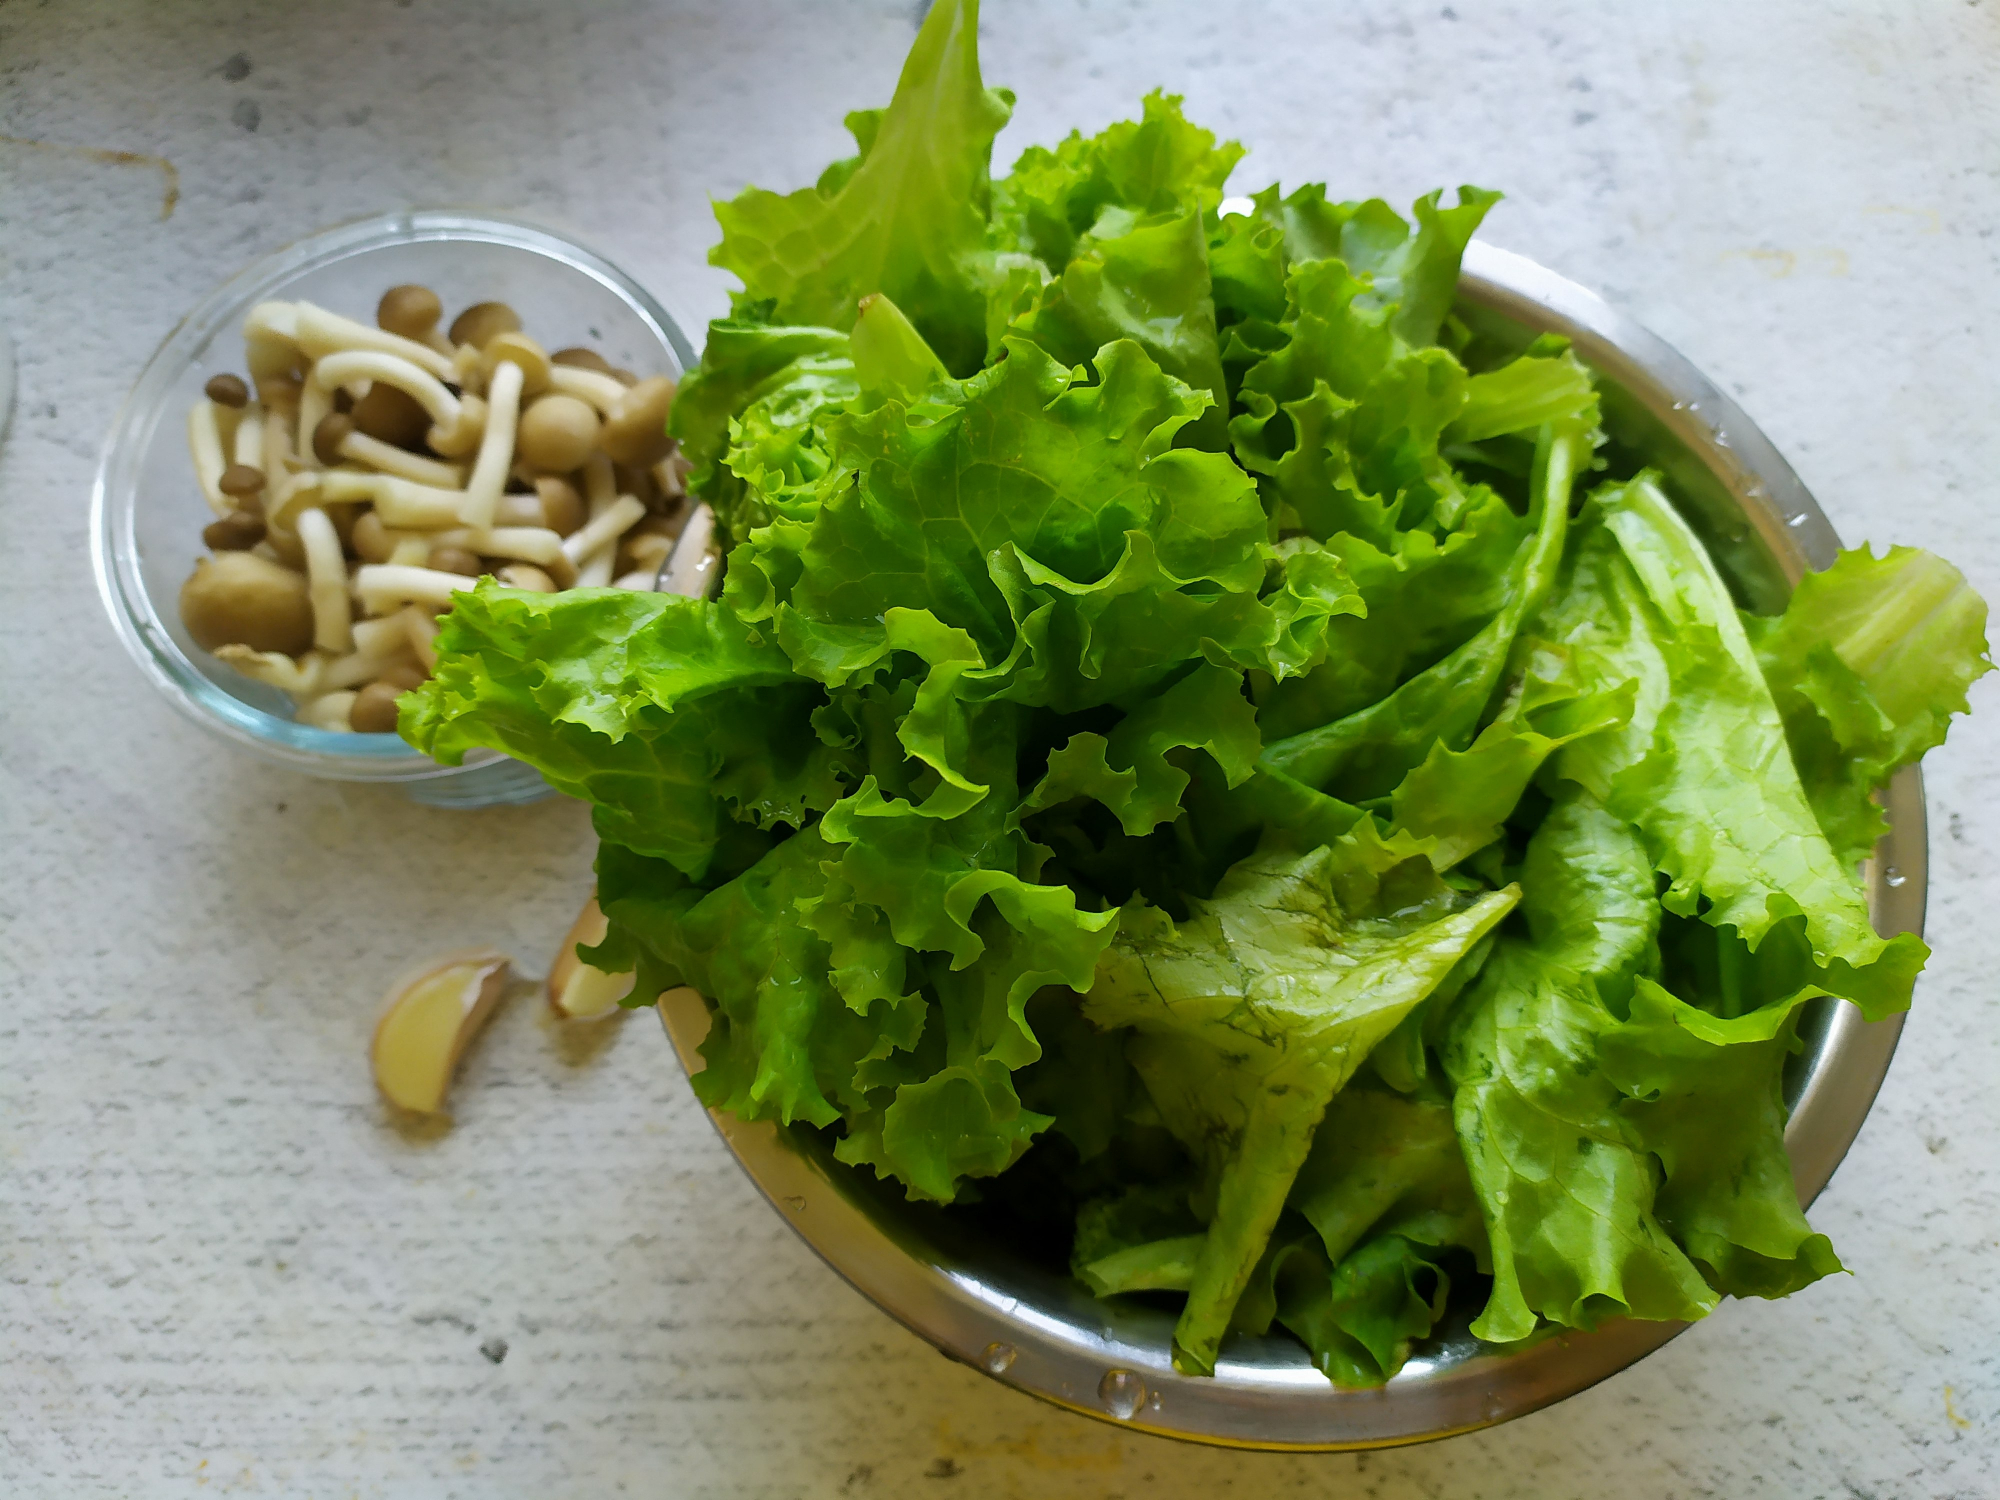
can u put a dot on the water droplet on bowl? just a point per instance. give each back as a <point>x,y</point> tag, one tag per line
<point>1796,521</point>
<point>998,1358</point>
<point>1894,877</point>
<point>1153,1402</point>
<point>1122,1393</point>
<point>796,1205</point>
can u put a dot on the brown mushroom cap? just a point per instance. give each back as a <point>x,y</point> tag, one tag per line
<point>410,311</point>
<point>482,322</point>
<point>392,415</point>
<point>635,429</point>
<point>240,481</point>
<point>517,348</point>
<point>334,429</point>
<point>557,433</point>
<point>563,509</point>
<point>239,598</point>
<point>579,358</point>
<point>227,390</point>
<point>238,531</point>
<point>374,710</point>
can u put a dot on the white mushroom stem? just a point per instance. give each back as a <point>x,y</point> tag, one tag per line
<point>496,446</point>
<point>600,390</point>
<point>205,444</point>
<point>286,498</point>
<point>382,638</point>
<point>271,339</point>
<point>410,550</point>
<point>691,567</point>
<point>247,447</point>
<point>383,587</point>
<point>321,334</point>
<point>326,576</point>
<point>390,459</point>
<point>302,678</point>
<point>534,544</point>
<point>423,632</point>
<point>468,367</point>
<point>328,711</point>
<point>601,533</point>
<point>400,503</point>
<point>277,454</point>
<point>594,572</point>
<point>351,367</point>
<point>315,401</point>
<point>359,667</point>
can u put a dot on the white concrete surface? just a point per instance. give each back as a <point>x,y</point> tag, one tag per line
<point>221,1272</point>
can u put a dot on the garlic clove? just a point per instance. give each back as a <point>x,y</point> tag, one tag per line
<point>427,1023</point>
<point>578,992</point>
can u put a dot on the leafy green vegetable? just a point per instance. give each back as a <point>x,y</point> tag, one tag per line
<point>1200,759</point>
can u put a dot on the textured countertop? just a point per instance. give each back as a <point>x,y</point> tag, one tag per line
<point>222,1271</point>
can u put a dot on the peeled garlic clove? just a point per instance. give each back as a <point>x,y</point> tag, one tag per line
<point>578,992</point>
<point>428,1022</point>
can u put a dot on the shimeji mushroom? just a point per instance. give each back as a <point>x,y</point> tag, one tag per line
<point>271,342</point>
<point>422,628</point>
<point>320,333</point>
<point>517,367</point>
<point>529,544</point>
<point>456,422</point>
<point>596,541</point>
<point>326,574</point>
<point>239,598</point>
<point>382,587</point>
<point>557,433</point>
<point>427,1022</point>
<point>327,711</point>
<point>301,677</point>
<point>496,446</point>
<point>413,311</point>
<point>206,445</point>
<point>601,390</point>
<point>635,429</point>
<point>693,566</point>
<point>358,447</point>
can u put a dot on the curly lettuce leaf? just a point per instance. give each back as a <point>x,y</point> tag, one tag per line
<point>1704,770</point>
<point>1566,1186</point>
<point>907,218</point>
<point>1142,278</point>
<point>1252,1015</point>
<point>1367,753</point>
<point>585,686</point>
<point>1867,664</point>
<point>1153,165</point>
<point>1415,271</point>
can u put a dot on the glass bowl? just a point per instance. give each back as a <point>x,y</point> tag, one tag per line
<point>147,512</point>
<point>1043,1333</point>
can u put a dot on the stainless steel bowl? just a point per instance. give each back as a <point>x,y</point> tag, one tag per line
<point>1044,1334</point>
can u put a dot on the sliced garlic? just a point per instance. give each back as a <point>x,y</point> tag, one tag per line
<point>428,1022</point>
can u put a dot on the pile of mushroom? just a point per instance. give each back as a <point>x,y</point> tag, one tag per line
<point>365,475</point>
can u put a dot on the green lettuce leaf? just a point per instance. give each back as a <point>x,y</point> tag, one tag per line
<point>907,219</point>
<point>1867,665</point>
<point>1742,851</point>
<point>1251,1016</point>
<point>585,685</point>
<point>1567,1187</point>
